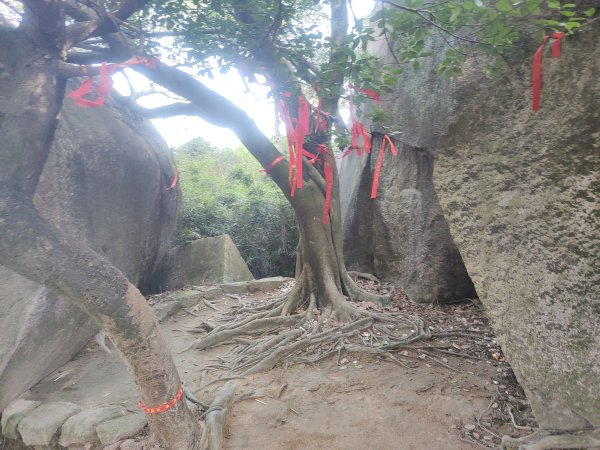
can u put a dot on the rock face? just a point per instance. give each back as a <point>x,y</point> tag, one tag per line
<point>104,183</point>
<point>520,191</point>
<point>402,235</point>
<point>411,240</point>
<point>206,261</point>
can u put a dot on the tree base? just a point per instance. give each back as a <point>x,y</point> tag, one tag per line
<point>308,336</point>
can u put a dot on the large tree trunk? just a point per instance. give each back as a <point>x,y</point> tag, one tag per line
<point>31,95</point>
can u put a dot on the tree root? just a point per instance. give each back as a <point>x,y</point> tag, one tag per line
<point>364,276</point>
<point>250,327</point>
<point>309,336</point>
<point>358,295</point>
<point>545,440</point>
<point>212,436</point>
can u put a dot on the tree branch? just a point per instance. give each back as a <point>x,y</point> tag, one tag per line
<point>161,112</point>
<point>422,14</point>
<point>101,25</point>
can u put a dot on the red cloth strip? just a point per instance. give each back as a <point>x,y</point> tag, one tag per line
<point>164,407</point>
<point>350,150</point>
<point>368,92</point>
<point>536,76</point>
<point>272,164</point>
<point>303,128</point>
<point>105,84</point>
<point>175,181</point>
<point>328,170</point>
<point>386,140</point>
<point>358,130</point>
<point>296,131</point>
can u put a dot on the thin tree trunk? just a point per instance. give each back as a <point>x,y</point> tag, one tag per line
<point>30,100</point>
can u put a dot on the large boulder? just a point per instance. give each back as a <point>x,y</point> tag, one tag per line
<point>206,261</point>
<point>104,184</point>
<point>401,235</point>
<point>411,240</point>
<point>521,191</point>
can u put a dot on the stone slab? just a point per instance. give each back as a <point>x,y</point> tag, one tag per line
<point>81,428</point>
<point>127,426</point>
<point>40,426</point>
<point>13,414</point>
<point>267,284</point>
<point>206,261</point>
<point>165,310</point>
<point>234,288</point>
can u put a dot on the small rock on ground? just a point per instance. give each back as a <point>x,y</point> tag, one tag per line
<point>40,425</point>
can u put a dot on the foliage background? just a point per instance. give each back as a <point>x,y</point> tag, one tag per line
<point>224,192</point>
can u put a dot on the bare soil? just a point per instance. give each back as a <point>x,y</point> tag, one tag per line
<point>453,393</point>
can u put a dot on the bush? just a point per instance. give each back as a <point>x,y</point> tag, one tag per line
<point>224,192</point>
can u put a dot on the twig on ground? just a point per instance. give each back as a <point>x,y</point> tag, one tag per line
<point>281,389</point>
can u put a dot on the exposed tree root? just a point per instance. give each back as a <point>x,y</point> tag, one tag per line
<point>545,440</point>
<point>308,336</point>
<point>212,436</point>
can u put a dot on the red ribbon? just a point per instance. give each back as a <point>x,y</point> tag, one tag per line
<point>328,171</point>
<point>358,130</point>
<point>164,407</point>
<point>368,92</point>
<point>297,129</point>
<point>536,81</point>
<point>386,139</point>
<point>102,89</point>
<point>174,182</point>
<point>272,164</point>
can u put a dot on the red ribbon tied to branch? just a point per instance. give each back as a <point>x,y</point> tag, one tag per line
<point>368,92</point>
<point>102,89</point>
<point>296,131</point>
<point>536,83</point>
<point>386,140</point>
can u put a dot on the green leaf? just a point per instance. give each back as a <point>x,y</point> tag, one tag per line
<point>553,4</point>
<point>590,12</point>
<point>479,3</point>
<point>571,25</point>
<point>504,6</point>
<point>550,23</point>
<point>568,13</point>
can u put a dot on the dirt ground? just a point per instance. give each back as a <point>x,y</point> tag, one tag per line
<point>454,393</point>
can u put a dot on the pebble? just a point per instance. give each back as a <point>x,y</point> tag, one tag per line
<point>469,427</point>
<point>487,437</point>
<point>476,435</point>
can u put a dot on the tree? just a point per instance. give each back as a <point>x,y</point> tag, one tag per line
<point>263,37</point>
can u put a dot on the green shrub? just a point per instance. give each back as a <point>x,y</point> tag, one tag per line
<point>224,192</point>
